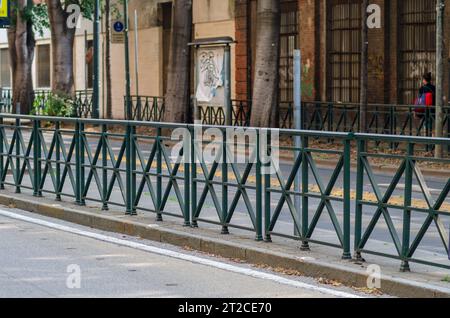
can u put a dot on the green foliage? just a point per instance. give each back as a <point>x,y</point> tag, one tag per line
<point>446,279</point>
<point>57,105</point>
<point>38,15</point>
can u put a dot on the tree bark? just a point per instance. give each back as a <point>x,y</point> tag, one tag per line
<point>178,81</point>
<point>267,60</point>
<point>109,113</point>
<point>62,48</point>
<point>21,48</point>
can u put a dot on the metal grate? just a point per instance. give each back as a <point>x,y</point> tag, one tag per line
<point>417,53</point>
<point>344,47</point>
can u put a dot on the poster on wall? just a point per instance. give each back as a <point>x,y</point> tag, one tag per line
<point>5,20</point>
<point>210,81</point>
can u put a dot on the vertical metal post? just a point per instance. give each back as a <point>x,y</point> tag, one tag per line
<point>77,163</point>
<point>82,162</point>
<point>130,170</point>
<point>224,211</point>
<point>359,197</point>
<point>305,191</point>
<point>96,88</point>
<point>136,52</point>
<point>227,86</point>
<point>407,208</point>
<point>259,236</point>
<point>193,177</point>
<point>298,126</point>
<point>2,162</point>
<point>18,190</point>
<point>105,167</point>
<point>187,178</point>
<point>58,160</point>
<point>392,124</point>
<point>159,217</point>
<point>267,187</point>
<point>127,64</point>
<point>133,158</point>
<point>347,197</point>
<point>439,75</point>
<point>36,159</point>
<point>86,80</point>
<point>196,112</point>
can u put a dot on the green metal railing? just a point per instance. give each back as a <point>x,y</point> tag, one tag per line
<point>320,116</point>
<point>82,101</point>
<point>136,166</point>
<point>146,108</point>
<point>5,101</point>
<point>432,208</point>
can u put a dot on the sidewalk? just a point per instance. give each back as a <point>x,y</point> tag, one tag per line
<point>322,263</point>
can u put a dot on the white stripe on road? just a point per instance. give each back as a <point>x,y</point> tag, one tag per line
<point>180,256</point>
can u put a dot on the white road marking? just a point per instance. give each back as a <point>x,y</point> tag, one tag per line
<point>180,256</point>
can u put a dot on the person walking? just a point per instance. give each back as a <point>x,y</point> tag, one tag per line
<point>427,96</point>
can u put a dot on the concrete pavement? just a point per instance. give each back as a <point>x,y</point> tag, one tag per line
<point>39,261</point>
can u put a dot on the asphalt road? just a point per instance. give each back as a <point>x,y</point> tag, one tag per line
<point>41,257</point>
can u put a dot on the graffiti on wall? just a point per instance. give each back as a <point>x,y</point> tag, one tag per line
<point>376,66</point>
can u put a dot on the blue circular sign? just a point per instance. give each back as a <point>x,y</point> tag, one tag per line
<point>118,26</point>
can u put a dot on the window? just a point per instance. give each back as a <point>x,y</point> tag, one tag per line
<point>344,50</point>
<point>5,68</point>
<point>288,43</point>
<point>89,64</point>
<point>417,53</point>
<point>43,66</point>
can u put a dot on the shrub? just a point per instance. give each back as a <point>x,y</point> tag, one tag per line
<point>54,105</point>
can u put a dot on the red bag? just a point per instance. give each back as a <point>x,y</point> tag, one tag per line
<point>428,99</point>
<point>424,101</point>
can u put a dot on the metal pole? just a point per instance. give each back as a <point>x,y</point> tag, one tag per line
<point>86,80</point>
<point>227,86</point>
<point>439,74</point>
<point>136,50</point>
<point>96,88</point>
<point>364,70</point>
<point>298,126</point>
<point>127,63</point>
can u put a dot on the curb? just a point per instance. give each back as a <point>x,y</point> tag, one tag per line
<point>252,255</point>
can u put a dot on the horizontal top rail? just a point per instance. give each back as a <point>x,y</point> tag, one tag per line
<point>291,132</point>
<point>401,138</point>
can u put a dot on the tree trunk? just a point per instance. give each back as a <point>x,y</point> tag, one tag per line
<point>364,69</point>
<point>21,48</point>
<point>267,59</point>
<point>178,81</point>
<point>109,112</point>
<point>62,48</point>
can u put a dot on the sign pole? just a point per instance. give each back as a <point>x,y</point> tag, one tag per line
<point>136,51</point>
<point>227,86</point>
<point>96,88</point>
<point>298,126</point>
<point>127,64</point>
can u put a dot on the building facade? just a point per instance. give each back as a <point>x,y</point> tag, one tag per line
<point>328,32</point>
